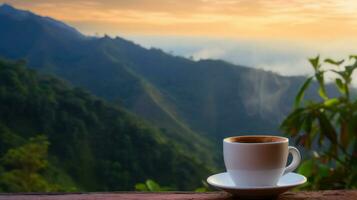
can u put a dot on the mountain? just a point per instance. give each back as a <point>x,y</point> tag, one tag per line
<point>51,47</point>
<point>98,145</point>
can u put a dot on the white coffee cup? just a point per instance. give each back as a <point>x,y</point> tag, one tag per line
<point>258,160</point>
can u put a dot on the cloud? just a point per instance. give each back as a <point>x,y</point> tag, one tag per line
<point>283,57</point>
<point>214,53</point>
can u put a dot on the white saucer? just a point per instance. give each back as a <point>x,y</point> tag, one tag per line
<point>224,182</point>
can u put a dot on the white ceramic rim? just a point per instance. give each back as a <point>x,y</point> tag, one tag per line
<point>256,188</point>
<point>284,140</point>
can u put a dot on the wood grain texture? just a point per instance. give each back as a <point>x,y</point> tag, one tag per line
<point>317,195</point>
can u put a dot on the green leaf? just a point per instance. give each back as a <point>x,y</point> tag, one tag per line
<point>349,70</point>
<point>331,102</point>
<point>333,62</point>
<point>152,186</point>
<point>353,57</point>
<point>322,91</point>
<point>324,170</point>
<point>327,128</point>
<point>306,168</point>
<point>141,187</point>
<point>310,133</point>
<point>315,62</point>
<point>308,123</point>
<point>301,92</point>
<point>293,122</point>
<point>343,74</point>
<point>340,86</point>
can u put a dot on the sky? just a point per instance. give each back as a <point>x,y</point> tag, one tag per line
<point>276,35</point>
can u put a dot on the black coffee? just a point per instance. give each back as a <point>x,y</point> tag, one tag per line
<point>255,139</point>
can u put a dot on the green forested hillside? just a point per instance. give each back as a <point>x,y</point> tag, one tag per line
<point>52,47</point>
<point>92,144</point>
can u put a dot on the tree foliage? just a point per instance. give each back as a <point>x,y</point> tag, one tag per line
<point>328,126</point>
<point>23,165</point>
<point>95,145</point>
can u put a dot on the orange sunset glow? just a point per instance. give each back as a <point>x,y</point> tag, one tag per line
<point>270,19</point>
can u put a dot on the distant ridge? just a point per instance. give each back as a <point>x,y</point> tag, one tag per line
<point>8,10</point>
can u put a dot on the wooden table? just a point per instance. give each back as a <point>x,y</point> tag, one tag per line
<point>316,195</point>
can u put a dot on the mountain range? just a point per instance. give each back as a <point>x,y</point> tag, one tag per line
<point>211,97</point>
<point>192,103</point>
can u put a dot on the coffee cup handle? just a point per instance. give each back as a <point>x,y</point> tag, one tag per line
<point>296,160</point>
